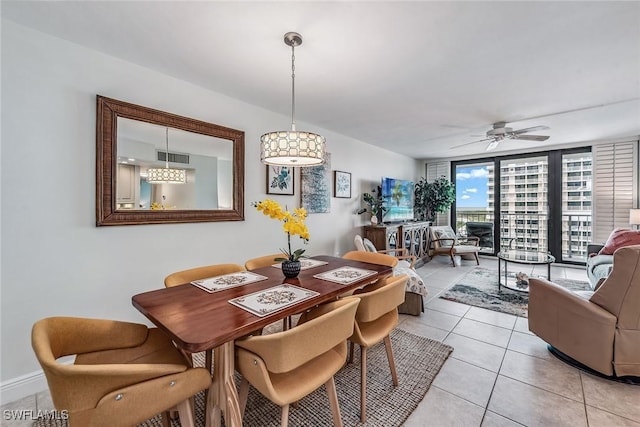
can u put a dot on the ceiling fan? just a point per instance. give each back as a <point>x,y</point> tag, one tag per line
<point>501,132</point>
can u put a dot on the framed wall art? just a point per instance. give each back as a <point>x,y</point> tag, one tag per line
<point>342,184</point>
<point>280,180</point>
<point>315,193</point>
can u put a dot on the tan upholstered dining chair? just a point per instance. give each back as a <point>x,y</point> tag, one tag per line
<point>263,261</point>
<point>416,290</point>
<point>199,273</point>
<point>287,366</point>
<point>372,258</point>
<point>376,317</point>
<point>124,373</point>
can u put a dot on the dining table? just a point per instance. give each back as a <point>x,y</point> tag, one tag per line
<point>210,322</point>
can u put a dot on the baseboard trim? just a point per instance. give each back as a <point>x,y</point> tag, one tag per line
<point>22,386</point>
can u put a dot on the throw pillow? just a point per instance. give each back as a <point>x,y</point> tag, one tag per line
<point>619,238</point>
<point>368,245</point>
<point>446,234</point>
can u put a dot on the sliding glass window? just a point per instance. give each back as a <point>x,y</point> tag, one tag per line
<point>541,202</point>
<point>474,206</point>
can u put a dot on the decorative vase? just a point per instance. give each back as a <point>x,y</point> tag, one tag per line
<point>379,216</point>
<point>291,269</point>
<point>374,220</point>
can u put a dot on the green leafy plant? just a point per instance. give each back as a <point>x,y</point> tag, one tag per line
<point>375,202</point>
<point>432,198</point>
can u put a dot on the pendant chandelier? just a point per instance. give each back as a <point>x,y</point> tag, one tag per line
<point>166,175</point>
<point>292,147</point>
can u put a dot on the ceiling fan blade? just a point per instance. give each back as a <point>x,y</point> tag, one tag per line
<point>469,143</point>
<point>531,129</point>
<point>493,145</point>
<point>532,137</point>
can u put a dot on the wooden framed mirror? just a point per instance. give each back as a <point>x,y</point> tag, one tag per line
<point>133,143</point>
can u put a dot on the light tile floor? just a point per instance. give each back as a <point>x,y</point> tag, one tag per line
<point>499,373</point>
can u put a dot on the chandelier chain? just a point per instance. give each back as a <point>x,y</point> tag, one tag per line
<point>293,87</point>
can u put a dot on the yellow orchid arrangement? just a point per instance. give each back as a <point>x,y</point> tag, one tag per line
<point>292,223</point>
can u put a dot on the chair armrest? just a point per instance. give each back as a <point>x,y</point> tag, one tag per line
<point>453,241</point>
<point>550,294</point>
<point>400,254</point>
<point>93,382</point>
<point>475,241</point>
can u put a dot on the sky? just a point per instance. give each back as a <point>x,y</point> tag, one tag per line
<point>471,186</point>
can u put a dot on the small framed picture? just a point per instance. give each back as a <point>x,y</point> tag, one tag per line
<point>280,180</point>
<point>342,184</point>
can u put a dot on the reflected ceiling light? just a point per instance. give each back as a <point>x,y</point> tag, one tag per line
<point>166,175</point>
<point>292,147</point>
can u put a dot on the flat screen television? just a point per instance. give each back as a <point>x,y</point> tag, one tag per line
<point>398,197</point>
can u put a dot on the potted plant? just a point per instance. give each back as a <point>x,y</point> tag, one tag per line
<point>432,198</point>
<point>293,224</point>
<point>376,204</point>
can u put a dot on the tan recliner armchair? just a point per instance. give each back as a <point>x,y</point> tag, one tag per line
<point>124,373</point>
<point>602,332</point>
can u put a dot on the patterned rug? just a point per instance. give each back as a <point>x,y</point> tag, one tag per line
<point>418,361</point>
<point>480,289</point>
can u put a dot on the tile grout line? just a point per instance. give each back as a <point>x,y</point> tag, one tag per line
<point>496,380</point>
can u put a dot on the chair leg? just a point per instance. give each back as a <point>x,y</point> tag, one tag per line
<point>166,419</point>
<point>186,413</point>
<point>477,259</point>
<point>243,394</point>
<point>392,363</point>
<point>453,261</point>
<point>350,360</point>
<point>284,416</point>
<point>363,384</point>
<point>333,401</point>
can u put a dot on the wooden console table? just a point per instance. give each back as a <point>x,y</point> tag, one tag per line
<point>413,236</point>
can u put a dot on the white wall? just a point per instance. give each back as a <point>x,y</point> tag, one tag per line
<point>55,261</point>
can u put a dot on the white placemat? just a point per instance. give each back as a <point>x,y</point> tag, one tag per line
<point>306,263</point>
<point>226,281</point>
<point>273,299</point>
<point>345,275</point>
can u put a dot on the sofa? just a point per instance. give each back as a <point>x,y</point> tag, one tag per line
<point>600,259</point>
<point>598,266</point>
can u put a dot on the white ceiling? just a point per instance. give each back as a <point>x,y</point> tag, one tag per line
<point>414,77</point>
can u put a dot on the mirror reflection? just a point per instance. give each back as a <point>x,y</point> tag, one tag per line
<point>133,169</point>
<point>205,161</point>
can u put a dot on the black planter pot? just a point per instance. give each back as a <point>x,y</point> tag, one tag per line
<point>291,269</point>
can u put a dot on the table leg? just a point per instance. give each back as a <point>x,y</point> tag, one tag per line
<point>224,396</point>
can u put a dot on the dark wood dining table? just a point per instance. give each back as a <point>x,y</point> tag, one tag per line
<point>200,321</point>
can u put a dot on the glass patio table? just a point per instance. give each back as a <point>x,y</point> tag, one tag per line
<point>517,256</point>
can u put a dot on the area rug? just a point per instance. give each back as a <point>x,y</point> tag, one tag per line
<point>479,288</point>
<point>418,361</point>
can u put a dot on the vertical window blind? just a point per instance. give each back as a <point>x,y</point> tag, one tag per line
<point>435,171</point>
<point>615,186</point>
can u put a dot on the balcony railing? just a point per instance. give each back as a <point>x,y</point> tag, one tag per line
<point>529,231</point>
